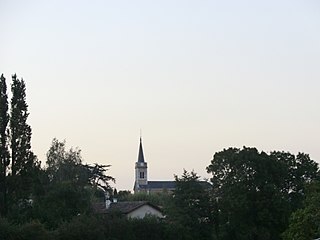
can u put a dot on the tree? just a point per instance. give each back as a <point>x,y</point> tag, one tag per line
<point>296,171</point>
<point>162,198</point>
<point>24,164</point>
<point>22,158</point>
<point>4,152</point>
<point>63,165</point>
<point>69,186</point>
<point>123,195</point>
<point>192,206</point>
<point>97,177</point>
<point>254,191</point>
<point>304,223</point>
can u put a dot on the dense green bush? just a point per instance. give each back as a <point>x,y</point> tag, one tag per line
<point>34,231</point>
<point>8,231</point>
<point>81,227</point>
<point>96,227</point>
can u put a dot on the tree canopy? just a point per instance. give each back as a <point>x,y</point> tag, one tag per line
<point>18,164</point>
<point>4,148</point>
<point>304,223</point>
<point>258,191</point>
<point>192,206</point>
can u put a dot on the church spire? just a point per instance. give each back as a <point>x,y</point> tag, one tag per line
<point>141,170</point>
<point>140,156</point>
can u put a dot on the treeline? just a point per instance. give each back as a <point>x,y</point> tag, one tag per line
<point>252,195</point>
<point>256,193</point>
<point>18,164</point>
<point>95,227</point>
<point>36,197</point>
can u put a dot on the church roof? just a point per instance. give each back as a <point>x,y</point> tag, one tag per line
<point>140,155</point>
<point>159,185</point>
<point>170,185</point>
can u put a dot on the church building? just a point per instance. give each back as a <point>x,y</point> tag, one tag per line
<point>142,184</point>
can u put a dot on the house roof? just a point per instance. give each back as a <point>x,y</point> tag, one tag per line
<point>205,184</point>
<point>99,207</point>
<point>129,206</point>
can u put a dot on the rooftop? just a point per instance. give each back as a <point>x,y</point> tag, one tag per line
<point>129,206</point>
<point>170,185</point>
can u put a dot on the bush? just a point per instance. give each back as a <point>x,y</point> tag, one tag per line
<point>81,227</point>
<point>8,231</point>
<point>34,231</point>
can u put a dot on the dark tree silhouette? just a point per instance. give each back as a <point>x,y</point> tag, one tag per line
<point>22,156</point>
<point>4,152</point>
<point>258,191</point>
<point>23,162</point>
<point>192,206</point>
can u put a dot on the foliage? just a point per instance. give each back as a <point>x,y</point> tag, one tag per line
<point>138,231</point>
<point>305,222</point>
<point>97,176</point>
<point>61,202</point>
<point>296,171</point>
<point>159,199</point>
<point>4,152</point>
<point>24,164</point>
<point>123,195</point>
<point>192,206</point>
<point>8,231</point>
<point>18,179</point>
<point>150,227</point>
<point>81,227</point>
<point>64,165</point>
<point>21,155</point>
<point>256,191</point>
<point>68,186</point>
<point>33,230</point>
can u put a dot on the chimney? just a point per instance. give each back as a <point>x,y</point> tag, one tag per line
<point>108,202</point>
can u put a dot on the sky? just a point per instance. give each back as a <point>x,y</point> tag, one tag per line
<point>195,76</point>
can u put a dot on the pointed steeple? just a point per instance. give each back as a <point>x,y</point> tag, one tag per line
<point>141,169</point>
<point>140,156</point>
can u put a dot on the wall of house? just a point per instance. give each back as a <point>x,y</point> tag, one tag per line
<point>144,210</point>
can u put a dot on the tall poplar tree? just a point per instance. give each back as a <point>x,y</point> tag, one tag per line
<point>23,161</point>
<point>21,155</point>
<point>4,152</point>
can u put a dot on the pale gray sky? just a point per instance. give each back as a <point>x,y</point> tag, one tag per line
<point>196,76</point>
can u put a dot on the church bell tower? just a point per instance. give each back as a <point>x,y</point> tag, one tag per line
<point>141,174</point>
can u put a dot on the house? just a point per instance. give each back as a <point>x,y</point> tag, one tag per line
<point>142,184</point>
<point>138,209</point>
